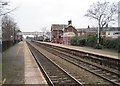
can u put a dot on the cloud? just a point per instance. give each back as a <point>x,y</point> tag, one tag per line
<point>35,14</point>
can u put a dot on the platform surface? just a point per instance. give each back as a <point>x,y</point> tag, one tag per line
<point>19,67</point>
<point>0,68</point>
<point>106,53</point>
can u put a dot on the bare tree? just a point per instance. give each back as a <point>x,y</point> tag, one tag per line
<point>103,12</point>
<point>8,28</point>
<point>44,30</point>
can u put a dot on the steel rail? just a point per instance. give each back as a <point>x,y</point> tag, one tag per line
<point>94,71</point>
<point>71,77</point>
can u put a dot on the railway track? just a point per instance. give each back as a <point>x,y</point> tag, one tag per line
<point>55,75</point>
<point>99,71</point>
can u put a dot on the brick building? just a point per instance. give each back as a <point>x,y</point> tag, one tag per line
<point>57,32</point>
<point>70,28</point>
<point>86,31</point>
<point>109,32</point>
<point>68,33</point>
<point>61,33</point>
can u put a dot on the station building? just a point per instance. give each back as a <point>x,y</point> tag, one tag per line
<point>69,32</point>
<point>57,32</point>
<point>62,33</point>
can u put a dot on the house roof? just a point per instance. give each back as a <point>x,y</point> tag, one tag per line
<point>87,29</point>
<point>58,26</point>
<point>95,29</point>
<point>111,29</point>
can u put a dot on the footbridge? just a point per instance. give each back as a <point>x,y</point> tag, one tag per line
<point>31,33</point>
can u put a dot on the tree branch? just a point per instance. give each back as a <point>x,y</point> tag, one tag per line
<point>8,11</point>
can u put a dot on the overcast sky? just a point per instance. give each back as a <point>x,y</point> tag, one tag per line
<point>32,15</point>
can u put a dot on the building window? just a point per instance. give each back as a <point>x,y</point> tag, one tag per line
<point>116,33</point>
<point>78,34</point>
<point>108,33</point>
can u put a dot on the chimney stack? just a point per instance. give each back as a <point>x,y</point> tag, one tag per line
<point>70,22</point>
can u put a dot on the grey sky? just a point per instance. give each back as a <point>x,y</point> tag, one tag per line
<point>32,15</point>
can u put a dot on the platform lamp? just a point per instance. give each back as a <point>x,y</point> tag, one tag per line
<point>98,36</point>
<point>98,46</point>
<point>11,37</point>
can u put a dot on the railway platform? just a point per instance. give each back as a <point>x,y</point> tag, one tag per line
<point>101,61</point>
<point>19,66</point>
<point>99,52</point>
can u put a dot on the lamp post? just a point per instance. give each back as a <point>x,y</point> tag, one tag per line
<point>98,46</point>
<point>11,37</point>
<point>14,35</point>
<point>98,36</point>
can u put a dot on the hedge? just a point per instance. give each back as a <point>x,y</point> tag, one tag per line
<point>74,41</point>
<point>111,44</point>
<point>91,41</point>
<point>81,42</point>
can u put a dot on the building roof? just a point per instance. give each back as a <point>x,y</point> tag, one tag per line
<point>111,29</point>
<point>58,26</point>
<point>87,29</point>
<point>95,29</point>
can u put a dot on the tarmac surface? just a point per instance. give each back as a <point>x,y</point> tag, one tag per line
<point>19,67</point>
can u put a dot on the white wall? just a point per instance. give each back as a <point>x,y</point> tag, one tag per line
<point>112,34</point>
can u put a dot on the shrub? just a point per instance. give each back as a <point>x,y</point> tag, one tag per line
<point>118,46</point>
<point>105,43</point>
<point>74,41</point>
<point>111,44</point>
<point>81,42</point>
<point>91,41</point>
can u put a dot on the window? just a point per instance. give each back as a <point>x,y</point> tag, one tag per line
<point>78,34</point>
<point>108,33</point>
<point>116,33</point>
